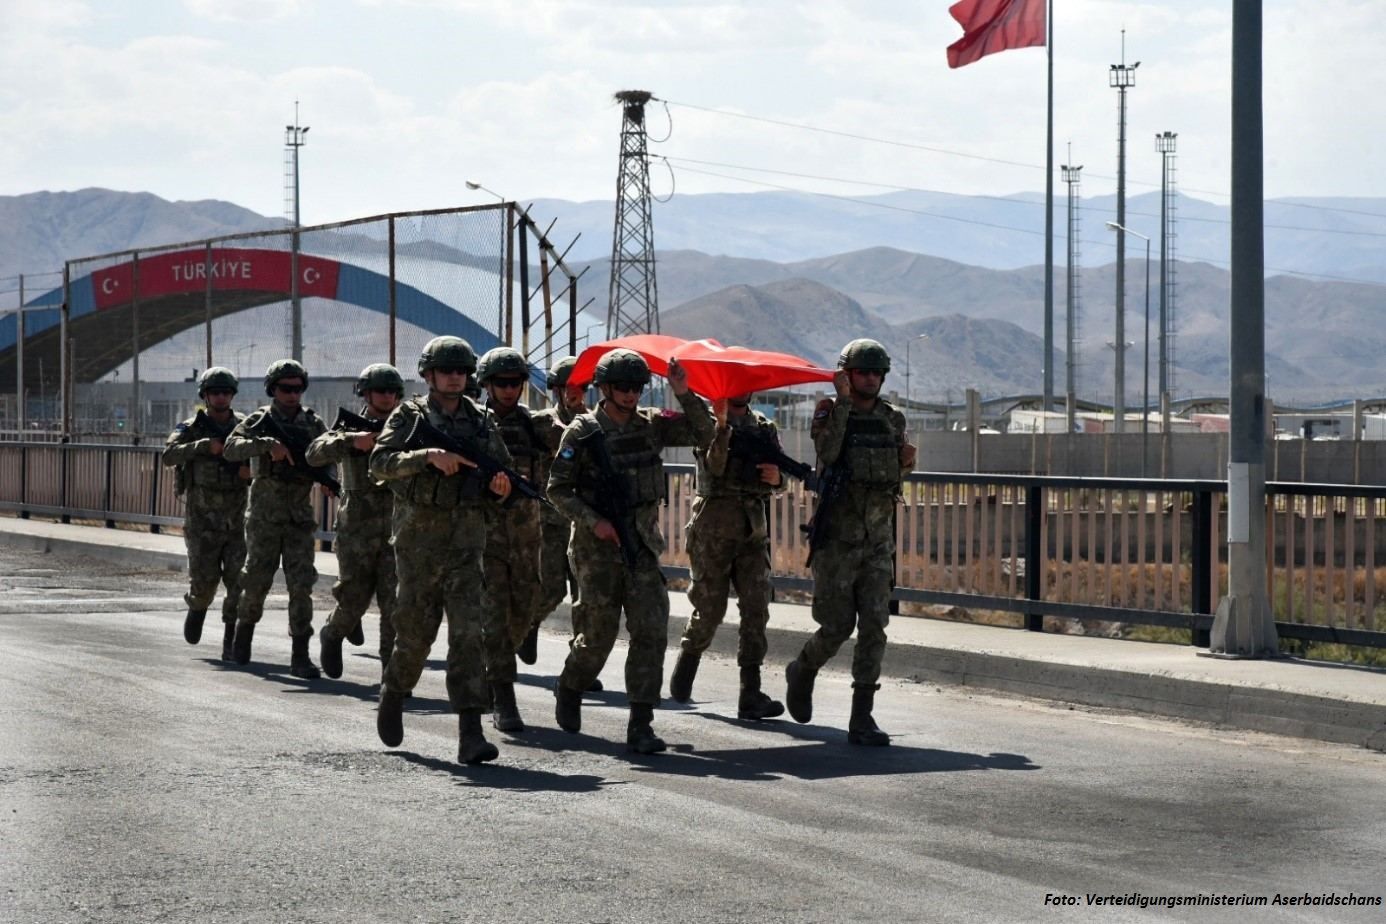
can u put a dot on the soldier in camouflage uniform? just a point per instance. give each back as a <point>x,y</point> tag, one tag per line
<point>634,437</point>
<point>553,559</point>
<point>854,563</point>
<point>443,512</point>
<point>513,545</point>
<point>214,491</point>
<point>365,559</point>
<point>281,523</point>
<point>729,546</point>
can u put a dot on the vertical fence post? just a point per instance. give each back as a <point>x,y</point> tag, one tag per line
<point>19,362</point>
<point>63,456</point>
<point>1034,554</point>
<point>134,417</point>
<point>1202,558</point>
<point>154,490</point>
<point>24,480</point>
<point>64,387</point>
<point>207,295</point>
<point>394,308</point>
<point>106,494</point>
<point>524,288</point>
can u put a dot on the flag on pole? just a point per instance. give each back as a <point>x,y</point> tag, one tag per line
<point>990,26</point>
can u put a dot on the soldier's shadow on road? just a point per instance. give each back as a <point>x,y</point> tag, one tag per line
<point>366,692</point>
<point>500,776</point>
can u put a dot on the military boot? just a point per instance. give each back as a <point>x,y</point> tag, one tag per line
<point>228,637</point>
<point>330,652</point>
<point>472,746</point>
<point>799,689</point>
<point>357,635</point>
<point>681,680</point>
<point>754,704</point>
<point>240,645</point>
<point>389,718</point>
<point>192,626</point>
<point>595,686</point>
<point>861,728</point>
<point>568,712</point>
<point>506,716</point>
<point>640,736</point>
<point>300,664</point>
<point>528,652</point>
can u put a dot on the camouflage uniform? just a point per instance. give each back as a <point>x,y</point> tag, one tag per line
<point>214,522</point>
<point>605,585</point>
<point>553,558</point>
<point>512,552</point>
<point>854,567</point>
<point>729,546</point>
<point>365,559</point>
<point>280,524</point>
<point>440,528</point>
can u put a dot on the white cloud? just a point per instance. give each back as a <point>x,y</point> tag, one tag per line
<point>246,10</point>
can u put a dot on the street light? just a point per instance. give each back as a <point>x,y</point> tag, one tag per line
<point>472,185</point>
<point>1145,409</point>
<point>587,334</point>
<point>908,395</point>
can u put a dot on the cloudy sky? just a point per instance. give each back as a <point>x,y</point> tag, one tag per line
<point>406,99</point>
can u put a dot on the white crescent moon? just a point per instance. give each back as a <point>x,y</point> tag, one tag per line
<point>310,275</point>
<point>107,286</point>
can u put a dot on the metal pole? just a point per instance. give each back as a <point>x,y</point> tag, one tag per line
<point>207,272</point>
<point>19,360</point>
<point>295,303</point>
<point>394,307</point>
<point>135,343</point>
<point>1049,217</point>
<point>64,410</point>
<point>1145,399</point>
<point>572,315</point>
<point>1121,76</point>
<point>1244,625</point>
<point>523,231</point>
<point>507,333</point>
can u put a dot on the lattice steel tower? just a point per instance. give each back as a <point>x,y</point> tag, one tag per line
<point>633,297</point>
<point>1165,144</point>
<point>1121,77</point>
<point>1072,175</point>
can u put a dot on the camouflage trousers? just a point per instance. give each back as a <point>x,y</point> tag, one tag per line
<point>365,569</point>
<point>437,578</point>
<point>553,569</point>
<point>606,587</point>
<point>216,554</point>
<point>267,544</point>
<point>512,585</point>
<point>851,590</point>
<point>725,553</point>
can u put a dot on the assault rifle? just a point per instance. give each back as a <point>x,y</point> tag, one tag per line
<point>424,435</point>
<point>831,486</point>
<point>268,426</point>
<point>205,421</point>
<point>752,446</point>
<point>611,494</point>
<point>347,422</point>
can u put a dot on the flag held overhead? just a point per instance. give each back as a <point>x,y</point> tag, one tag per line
<point>714,371</point>
<point>990,26</point>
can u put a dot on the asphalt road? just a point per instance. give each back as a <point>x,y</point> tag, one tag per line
<point>142,780</point>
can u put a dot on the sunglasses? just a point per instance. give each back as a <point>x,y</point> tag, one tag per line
<point>452,370</point>
<point>219,391</point>
<point>290,389</point>
<point>627,387</point>
<point>507,383</point>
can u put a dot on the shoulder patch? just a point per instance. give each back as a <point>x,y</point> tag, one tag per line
<point>567,453</point>
<point>182,427</point>
<point>670,412</point>
<point>822,412</point>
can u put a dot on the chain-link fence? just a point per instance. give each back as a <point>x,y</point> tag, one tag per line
<point>111,348</point>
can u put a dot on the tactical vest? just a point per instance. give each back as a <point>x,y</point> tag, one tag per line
<point>305,427</point>
<point>872,450</point>
<point>741,476</point>
<point>521,437</point>
<point>431,488</point>
<point>209,472</point>
<point>634,454</point>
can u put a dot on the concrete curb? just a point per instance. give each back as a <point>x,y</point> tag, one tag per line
<point>1244,706</point>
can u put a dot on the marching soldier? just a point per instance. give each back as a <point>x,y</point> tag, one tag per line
<point>365,559</point>
<point>214,490</point>
<point>442,515</point>
<point>863,437</point>
<point>513,546</point>
<point>729,546</point>
<point>608,479</point>
<point>280,524</point>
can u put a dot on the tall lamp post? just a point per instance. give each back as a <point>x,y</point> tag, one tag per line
<point>908,395</point>
<point>472,185</point>
<point>1145,398</point>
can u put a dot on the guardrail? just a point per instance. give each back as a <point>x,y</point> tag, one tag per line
<point>1139,551</point>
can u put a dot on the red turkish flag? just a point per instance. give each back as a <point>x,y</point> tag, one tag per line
<point>714,371</point>
<point>990,26</point>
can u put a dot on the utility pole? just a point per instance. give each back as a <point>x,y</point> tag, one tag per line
<point>633,297</point>
<point>1165,144</point>
<point>1072,176</point>
<point>1244,626</point>
<point>293,140</point>
<point>1121,76</point>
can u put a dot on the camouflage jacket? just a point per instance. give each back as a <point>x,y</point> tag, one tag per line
<point>281,491</point>
<point>364,499</point>
<point>635,452</point>
<point>721,474</point>
<point>550,424</point>
<point>519,522</point>
<point>869,444</point>
<point>207,482</point>
<point>420,490</point>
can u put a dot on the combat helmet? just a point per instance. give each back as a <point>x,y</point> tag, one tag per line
<point>379,377</point>
<point>217,377</point>
<point>622,365</point>
<point>558,375</point>
<point>502,361</point>
<point>864,354</point>
<point>447,353</point>
<point>284,369</point>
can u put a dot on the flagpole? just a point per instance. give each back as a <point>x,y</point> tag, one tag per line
<point>1049,214</point>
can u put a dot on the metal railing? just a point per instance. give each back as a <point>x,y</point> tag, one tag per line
<point>1134,551</point>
